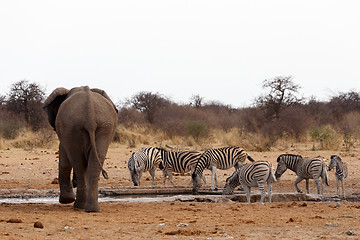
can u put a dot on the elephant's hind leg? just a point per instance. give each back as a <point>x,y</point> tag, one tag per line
<point>66,190</point>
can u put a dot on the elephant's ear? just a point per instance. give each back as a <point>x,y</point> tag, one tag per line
<point>104,94</point>
<point>53,102</point>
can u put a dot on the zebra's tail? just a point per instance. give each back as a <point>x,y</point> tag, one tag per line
<point>325,173</point>
<point>250,158</point>
<point>272,177</point>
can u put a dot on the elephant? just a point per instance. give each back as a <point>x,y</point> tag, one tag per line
<point>85,122</point>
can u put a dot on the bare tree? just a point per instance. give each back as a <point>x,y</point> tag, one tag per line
<point>25,99</point>
<point>148,103</point>
<point>282,93</point>
<point>196,101</point>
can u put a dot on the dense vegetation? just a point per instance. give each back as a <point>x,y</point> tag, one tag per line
<point>278,115</point>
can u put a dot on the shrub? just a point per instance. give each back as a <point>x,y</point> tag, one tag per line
<point>10,129</point>
<point>326,137</point>
<point>196,129</point>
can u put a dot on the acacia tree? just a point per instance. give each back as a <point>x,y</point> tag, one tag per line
<point>282,93</point>
<point>148,103</point>
<point>26,99</point>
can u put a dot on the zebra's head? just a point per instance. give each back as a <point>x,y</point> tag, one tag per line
<point>333,161</point>
<point>196,179</point>
<point>231,183</point>
<point>281,167</point>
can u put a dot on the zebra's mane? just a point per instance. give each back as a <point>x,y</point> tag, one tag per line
<point>289,155</point>
<point>336,157</point>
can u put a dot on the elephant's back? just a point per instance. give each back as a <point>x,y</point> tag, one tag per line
<point>85,108</point>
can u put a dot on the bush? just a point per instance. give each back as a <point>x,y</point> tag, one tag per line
<point>196,129</point>
<point>10,129</point>
<point>326,137</point>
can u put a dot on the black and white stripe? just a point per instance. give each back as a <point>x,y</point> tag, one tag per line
<point>143,160</point>
<point>221,158</point>
<point>178,162</point>
<point>340,173</point>
<point>305,168</point>
<point>251,175</point>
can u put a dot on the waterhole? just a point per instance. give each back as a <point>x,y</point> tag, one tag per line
<point>20,196</point>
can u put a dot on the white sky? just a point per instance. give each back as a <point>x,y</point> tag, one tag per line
<point>221,50</point>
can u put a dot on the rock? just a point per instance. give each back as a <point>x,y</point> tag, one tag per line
<point>55,181</point>
<point>14,220</point>
<point>38,225</point>
<point>227,236</point>
<point>182,225</point>
<point>350,232</point>
<point>335,224</point>
<point>290,220</point>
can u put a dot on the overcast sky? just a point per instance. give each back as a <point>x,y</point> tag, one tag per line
<point>221,50</point>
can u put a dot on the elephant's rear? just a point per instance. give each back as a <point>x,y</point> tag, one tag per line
<point>85,121</point>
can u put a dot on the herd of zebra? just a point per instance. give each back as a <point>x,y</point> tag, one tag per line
<point>257,173</point>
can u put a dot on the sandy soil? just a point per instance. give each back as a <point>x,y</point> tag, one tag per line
<point>36,169</point>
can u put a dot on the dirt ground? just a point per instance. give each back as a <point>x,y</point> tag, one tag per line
<point>37,168</point>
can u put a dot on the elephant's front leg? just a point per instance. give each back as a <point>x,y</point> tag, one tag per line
<point>66,189</point>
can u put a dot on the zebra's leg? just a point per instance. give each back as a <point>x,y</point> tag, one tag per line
<point>247,190</point>
<point>269,191</point>
<point>152,173</point>
<point>323,185</point>
<point>307,185</point>
<point>171,178</point>
<point>216,183</point>
<point>343,186</point>
<point>164,177</point>
<point>139,175</point>
<point>213,177</point>
<point>337,186</point>
<point>317,183</point>
<point>298,179</point>
<point>262,190</point>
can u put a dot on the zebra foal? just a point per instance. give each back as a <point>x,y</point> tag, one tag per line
<point>340,173</point>
<point>251,175</point>
<point>143,160</point>
<point>179,162</point>
<point>221,158</point>
<point>305,168</point>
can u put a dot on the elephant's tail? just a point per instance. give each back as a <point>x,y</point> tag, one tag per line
<point>93,145</point>
<point>91,130</point>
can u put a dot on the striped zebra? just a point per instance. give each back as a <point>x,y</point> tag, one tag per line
<point>221,158</point>
<point>143,160</point>
<point>251,175</point>
<point>340,173</point>
<point>305,168</point>
<point>178,162</point>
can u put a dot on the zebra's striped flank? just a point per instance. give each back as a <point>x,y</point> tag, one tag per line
<point>143,160</point>
<point>221,158</point>
<point>305,168</point>
<point>251,175</point>
<point>178,162</point>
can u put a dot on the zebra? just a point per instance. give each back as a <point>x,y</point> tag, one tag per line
<point>340,173</point>
<point>144,159</point>
<point>305,168</point>
<point>179,162</point>
<point>222,158</point>
<point>252,175</point>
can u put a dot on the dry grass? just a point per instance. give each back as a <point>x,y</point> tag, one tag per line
<point>27,139</point>
<point>138,136</point>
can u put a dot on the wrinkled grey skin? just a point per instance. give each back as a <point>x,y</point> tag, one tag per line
<point>85,121</point>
